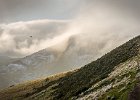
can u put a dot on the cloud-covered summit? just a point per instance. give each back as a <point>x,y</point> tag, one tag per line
<point>24,38</point>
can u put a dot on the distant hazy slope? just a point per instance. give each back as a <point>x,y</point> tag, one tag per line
<point>49,61</point>
<point>111,76</point>
<point>6,60</point>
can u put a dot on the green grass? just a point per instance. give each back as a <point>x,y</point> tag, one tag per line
<point>122,91</point>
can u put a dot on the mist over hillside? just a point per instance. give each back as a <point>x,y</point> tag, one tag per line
<point>113,76</point>
<point>64,36</point>
<point>96,23</point>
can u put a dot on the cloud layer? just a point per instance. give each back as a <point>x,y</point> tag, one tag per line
<point>99,24</point>
<point>97,28</point>
<point>24,38</point>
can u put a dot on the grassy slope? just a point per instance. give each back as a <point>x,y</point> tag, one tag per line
<point>118,84</point>
<point>72,84</point>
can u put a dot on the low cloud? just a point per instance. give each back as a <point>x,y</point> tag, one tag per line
<point>96,30</point>
<point>23,38</point>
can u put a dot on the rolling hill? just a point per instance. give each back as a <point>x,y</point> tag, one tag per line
<point>114,76</point>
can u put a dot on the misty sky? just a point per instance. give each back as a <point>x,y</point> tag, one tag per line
<point>25,10</point>
<point>54,21</point>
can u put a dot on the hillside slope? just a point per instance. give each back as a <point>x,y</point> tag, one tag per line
<point>5,59</point>
<point>43,63</point>
<point>113,76</point>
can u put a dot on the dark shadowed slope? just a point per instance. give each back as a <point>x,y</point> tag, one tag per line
<point>111,77</point>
